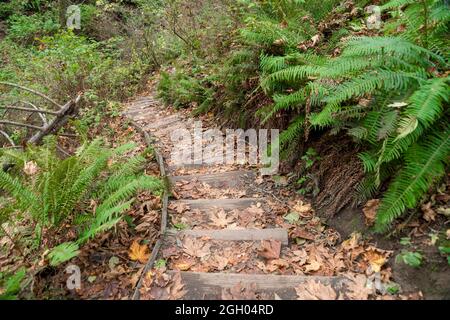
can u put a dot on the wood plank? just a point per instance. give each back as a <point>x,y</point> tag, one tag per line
<point>219,179</point>
<point>201,285</point>
<point>279,234</point>
<point>226,204</point>
<point>163,122</point>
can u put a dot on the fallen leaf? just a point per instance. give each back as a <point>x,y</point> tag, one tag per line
<point>196,248</point>
<point>352,242</point>
<point>270,249</point>
<point>444,211</point>
<point>448,233</point>
<point>138,252</point>
<point>315,40</point>
<point>303,208</point>
<point>219,262</point>
<point>30,168</point>
<point>428,213</point>
<point>220,219</point>
<point>240,292</point>
<point>313,266</point>
<point>312,290</point>
<point>376,260</point>
<point>370,211</point>
<point>302,233</point>
<point>357,288</point>
<point>113,261</point>
<point>176,288</point>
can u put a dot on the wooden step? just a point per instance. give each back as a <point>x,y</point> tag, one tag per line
<point>236,234</point>
<point>226,204</point>
<point>217,180</point>
<point>203,286</point>
<point>169,128</point>
<point>162,122</point>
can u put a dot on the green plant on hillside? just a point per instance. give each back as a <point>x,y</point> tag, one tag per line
<point>387,92</point>
<point>10,284</point>
<point>60,191</point>
<point>180,90</point>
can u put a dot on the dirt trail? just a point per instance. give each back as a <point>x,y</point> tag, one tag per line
<point>232,234</point>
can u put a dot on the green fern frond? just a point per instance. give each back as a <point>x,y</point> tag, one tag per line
<point>424,163</point>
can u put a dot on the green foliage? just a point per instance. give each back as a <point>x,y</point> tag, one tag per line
<point>61,190</point>
<point>27,29</point>
<point>63,252</point>
<point>412,259</point>
<point>180,90</point>
<point>10,284</point>
<point>355,92</point>
<point>445,250</point>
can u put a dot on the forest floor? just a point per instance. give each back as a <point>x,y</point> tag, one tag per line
<point>233,234</point>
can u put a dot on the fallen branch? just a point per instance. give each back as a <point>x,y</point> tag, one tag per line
<point>32,91</point>
<point>18,124</point>
<point>29,110</point>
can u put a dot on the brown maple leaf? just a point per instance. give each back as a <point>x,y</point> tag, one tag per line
<point>370,211</point>
<point>302,233</point>
<point>176,288</point>
<point>312,290</point>
<point>428,213</point>
<point>220,219</point>
<point>357,288</point>
<point>138,252</point>
<point>240,292</point>
<point>270,249</point>
<point>196,248</point>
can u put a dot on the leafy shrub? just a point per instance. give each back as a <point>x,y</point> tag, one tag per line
<point>10,284</point>
<point>26,29</point>
<point>412,259</point>
<point>180,90</point>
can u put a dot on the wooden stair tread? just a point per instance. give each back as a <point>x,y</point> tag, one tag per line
<point>163,122</point>
<point>279,234</point>
<point>219,179</point>
<point>226,204</point>
<point>201,285</point>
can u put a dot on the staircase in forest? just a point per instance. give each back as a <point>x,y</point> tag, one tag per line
<point>211,239</point>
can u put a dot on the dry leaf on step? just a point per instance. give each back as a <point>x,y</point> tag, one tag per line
<point>219,262</point>
<point>196,248</point>
<point>370,211</point>
<point>313,266</point>
<point>357,287</point>
<point>270,249</point>
<point>312,290</point>
<point>176,288</point>
<point>240,292</point>
<point>220,219</point>
<point>138,252</point>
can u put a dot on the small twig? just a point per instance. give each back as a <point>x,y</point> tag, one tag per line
<point>7,138</point>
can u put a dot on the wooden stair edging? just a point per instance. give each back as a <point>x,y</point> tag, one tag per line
<point>201,285</point>
<point>278,234</point>
<point>165,201</point>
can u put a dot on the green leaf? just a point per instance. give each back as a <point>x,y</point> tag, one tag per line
<point>62,253</point>
<point>292,217</point>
